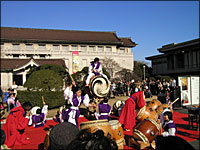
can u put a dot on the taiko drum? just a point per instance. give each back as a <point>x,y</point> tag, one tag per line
<point>146,131</point>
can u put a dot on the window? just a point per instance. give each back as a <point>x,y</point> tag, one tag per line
<point>16,47</point>
<point>122,50</point>
<point>100,48</point>
<point>15,55</point>
<point>74,47</point>
<point>91,48</point>
<point>83,48</point>
<point>108,49</point>
<point>42,56</point>
<point>42,47</point>
<point>29,55</point>
<point>55,47</point>
<point>65,47</point>
<point>29,46</point>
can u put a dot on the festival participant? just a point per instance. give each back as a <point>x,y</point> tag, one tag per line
<point>68,94</point>
<point>39,118</point>
<point>169,126</point>
<point>94,69</point>
<point>128,114</point>
<point>104,110</point>
<point>73,113</point>
<point>15,126</point>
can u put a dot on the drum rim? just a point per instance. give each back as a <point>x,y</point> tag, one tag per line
<point>140,111</point>
<point>141,135</point>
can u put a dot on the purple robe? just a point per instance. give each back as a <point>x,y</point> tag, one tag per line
<point>38,120</point>
<point>104,110</point>
<point>97,67</point>
<point>168,126</point>
<point>73,113</point>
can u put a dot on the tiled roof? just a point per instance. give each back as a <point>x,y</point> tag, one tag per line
<point>128,42</point>
<point>9,64</point>
<point>64,36</point>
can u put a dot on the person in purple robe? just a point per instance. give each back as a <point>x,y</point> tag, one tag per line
<point>38,116</point>
<point>61,115</point>
<point>94,69</point>
<point>169,126</point>
<point>104,110</point>
<point>73,113</point>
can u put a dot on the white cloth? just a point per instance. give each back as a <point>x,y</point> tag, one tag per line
<point>68,94</point>
<point>91,74</point>
<point>171,131</point>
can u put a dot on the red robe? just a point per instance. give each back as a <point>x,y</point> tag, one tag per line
<point>14,127</point>
<point>128,114</point>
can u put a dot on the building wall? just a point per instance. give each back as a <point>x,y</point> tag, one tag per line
<point>87,53</point>
<point>6,80</point>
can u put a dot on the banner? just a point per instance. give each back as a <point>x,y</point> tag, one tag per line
<point>75,61</point>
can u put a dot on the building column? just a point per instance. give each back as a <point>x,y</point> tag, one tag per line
<point>10,79</point>
<point>23,77</point>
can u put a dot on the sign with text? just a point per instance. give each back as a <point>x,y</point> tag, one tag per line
<point>75,61</point>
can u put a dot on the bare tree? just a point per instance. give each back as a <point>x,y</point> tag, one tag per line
<point>111,66</point>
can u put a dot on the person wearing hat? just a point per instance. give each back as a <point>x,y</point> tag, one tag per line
<point>94,69</point>
<point>61,135</point>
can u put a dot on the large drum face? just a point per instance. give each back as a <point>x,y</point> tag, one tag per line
<point>146,131</point>
<point>99,86</point>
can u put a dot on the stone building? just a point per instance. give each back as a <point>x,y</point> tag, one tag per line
<point>177,59</point>
<point>24,47</point>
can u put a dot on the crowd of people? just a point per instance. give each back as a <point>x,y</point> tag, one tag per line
<point>67,134</point>
<point>150,87</point>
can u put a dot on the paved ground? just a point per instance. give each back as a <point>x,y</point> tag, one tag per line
<point>195,144</point>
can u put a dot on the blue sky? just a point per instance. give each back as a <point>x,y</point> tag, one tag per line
<point>151,24</point>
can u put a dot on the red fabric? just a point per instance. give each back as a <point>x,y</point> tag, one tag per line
<point>128,113</point>
<point>15,122</point>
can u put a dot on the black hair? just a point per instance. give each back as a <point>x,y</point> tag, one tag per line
<point>92,141</point>
<point>169,114</point>
<point>3,137</point>
<point>38,111</point>
<point>96,59</point>
<point>105,100</point>
<point>12,106</point>
<point>172,142</point>
<point>26,104</point>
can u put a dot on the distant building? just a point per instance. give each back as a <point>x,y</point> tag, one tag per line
<point>177,59</point>
<point>25,47</point>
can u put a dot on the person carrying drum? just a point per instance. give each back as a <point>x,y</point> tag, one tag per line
<point>128,114</point>
<point>94,69</point>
